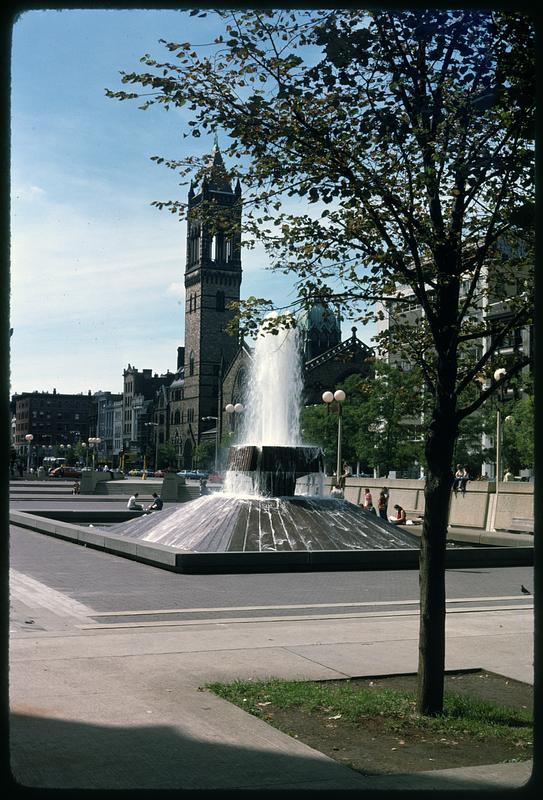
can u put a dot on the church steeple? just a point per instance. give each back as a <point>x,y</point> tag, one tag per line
<point>212,282</point>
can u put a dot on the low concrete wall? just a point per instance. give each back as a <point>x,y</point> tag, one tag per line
<point>172,488</point>
<point>474,509</point>
<point>513,500</point>
<point>92,480</point>
<point>234,562</point>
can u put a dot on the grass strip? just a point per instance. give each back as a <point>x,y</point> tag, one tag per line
<point>461,714</point>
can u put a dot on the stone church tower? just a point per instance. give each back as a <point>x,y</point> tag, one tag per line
<point>212,281</point>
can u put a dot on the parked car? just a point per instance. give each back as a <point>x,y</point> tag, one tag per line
<point>65,472</point>
<point>159,473</point>
<point>192,474</point>
<point>215,477</point>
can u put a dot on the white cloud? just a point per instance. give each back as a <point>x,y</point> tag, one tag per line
<point>177,289</point>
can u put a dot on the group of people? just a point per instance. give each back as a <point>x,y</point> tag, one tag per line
<point>156,505</point>
<point>399,517</point>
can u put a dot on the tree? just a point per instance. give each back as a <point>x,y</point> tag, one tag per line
<point>167,456</point>
<point>381,420</point>
<point>408,137</point>
<point>204,454</point>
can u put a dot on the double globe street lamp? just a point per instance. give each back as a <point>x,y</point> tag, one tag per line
<point>94,441</point>
<point>339,397</point>
<point>232,409</point>
<point>238,408</point>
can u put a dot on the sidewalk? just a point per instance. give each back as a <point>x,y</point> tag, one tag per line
<point>121,706</point>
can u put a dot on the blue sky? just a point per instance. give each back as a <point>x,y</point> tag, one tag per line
<point>96,271</point>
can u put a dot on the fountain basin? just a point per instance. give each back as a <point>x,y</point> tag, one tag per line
<point>226,523</point>
<point>274,470</point>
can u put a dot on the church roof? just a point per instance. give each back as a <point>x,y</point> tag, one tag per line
<point>216,178</point>
<point>319,317</point>
<point>349,347</point>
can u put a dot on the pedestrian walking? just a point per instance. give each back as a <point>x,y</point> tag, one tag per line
<point>368,501</point>
<point>382,503</point>
<point>347,472</point>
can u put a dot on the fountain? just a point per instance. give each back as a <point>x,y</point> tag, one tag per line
<point>259,509</point>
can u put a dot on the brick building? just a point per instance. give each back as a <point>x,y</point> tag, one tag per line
<point>52,418</point>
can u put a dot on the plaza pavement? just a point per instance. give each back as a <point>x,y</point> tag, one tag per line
<point>120,706</point>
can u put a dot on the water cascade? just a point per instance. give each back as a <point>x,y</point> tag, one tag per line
<point>272,456</point>
<point>259,510</point>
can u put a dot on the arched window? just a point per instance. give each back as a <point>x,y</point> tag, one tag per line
<point>219,300</point>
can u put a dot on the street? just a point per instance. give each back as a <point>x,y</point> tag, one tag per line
<point>105,583</point>
<point>108,657</point>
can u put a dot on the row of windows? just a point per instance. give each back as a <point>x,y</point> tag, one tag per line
<point>220,301</point>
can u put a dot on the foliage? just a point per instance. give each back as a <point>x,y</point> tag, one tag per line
<point>204,454</point>
<point>405,140</point>
<point>408,138</point>
<point>381,420</point>
<point>167,456</point>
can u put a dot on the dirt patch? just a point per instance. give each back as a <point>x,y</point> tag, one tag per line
<point>369,748</point>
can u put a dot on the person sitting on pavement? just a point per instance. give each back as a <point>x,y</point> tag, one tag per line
<point>76,488</point>
<point>400,518</point>
<point>337,492</point>
<point>157,503</point>
<point>133,505</point>
<point>203,487</point>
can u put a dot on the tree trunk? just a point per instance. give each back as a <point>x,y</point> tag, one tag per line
<point>431,670</point>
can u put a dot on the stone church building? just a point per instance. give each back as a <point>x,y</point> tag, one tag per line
<point>213,366</point>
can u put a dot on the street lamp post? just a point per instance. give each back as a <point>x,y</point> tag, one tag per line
<point>28,438</point>
<point>339,397</point>
<point>155,426</point>
<point>208,419</point>
<point>499,375</point>
<point>233,409</point>
<point>84,446</point>
<point>94,441</point>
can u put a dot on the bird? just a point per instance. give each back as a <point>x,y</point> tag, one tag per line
<point>524,590</point>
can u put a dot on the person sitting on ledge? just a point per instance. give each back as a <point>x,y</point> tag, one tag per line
<point>157,503</point>
<point>76,488</point>
<point>132,505</point>
<point>400,518</point>
<point>461,478</point>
